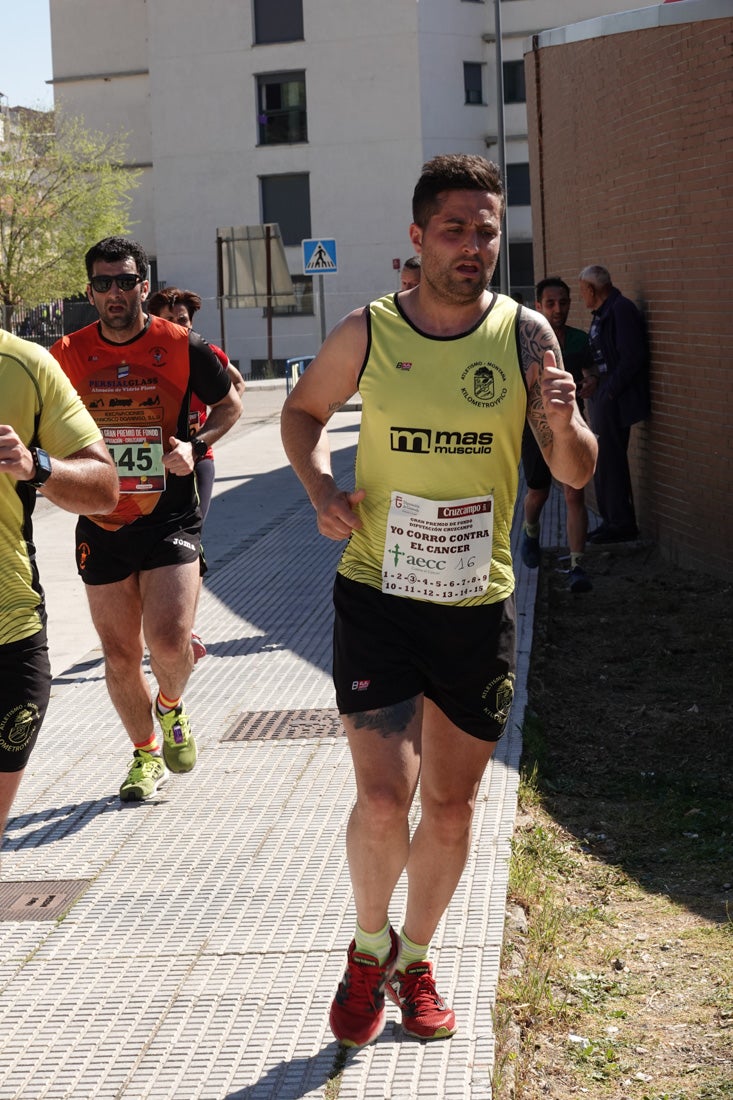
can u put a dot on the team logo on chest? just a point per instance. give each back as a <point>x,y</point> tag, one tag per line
<point>484,384</point>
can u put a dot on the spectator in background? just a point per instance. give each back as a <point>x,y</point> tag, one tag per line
<point>410,274</point>
<point>619,397</point>
<point>553,302</point>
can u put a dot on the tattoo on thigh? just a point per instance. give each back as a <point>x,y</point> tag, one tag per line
<point>386,720</point>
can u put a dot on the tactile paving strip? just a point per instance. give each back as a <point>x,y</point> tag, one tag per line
<point>273,725</point>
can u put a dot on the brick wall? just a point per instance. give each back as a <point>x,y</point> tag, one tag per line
<point>631,143</point>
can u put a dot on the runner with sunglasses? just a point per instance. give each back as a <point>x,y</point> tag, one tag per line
<point>141,563</point>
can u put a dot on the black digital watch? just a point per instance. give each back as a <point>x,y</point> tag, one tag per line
<point>43,467</point>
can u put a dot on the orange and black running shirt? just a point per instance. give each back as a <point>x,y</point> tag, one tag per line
<point>139,395</point>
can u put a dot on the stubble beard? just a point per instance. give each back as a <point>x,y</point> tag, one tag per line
<point>453,289</point>
<point>121,320</point>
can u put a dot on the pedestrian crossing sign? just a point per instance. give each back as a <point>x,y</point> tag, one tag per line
<point>319,256</point>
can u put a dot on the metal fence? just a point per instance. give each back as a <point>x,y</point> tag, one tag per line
<point>42,324</point>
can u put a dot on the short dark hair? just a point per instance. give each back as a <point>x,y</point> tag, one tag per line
<point>412,263</point>
<point>169,296</point>
<point>112,249</point>
<point>453,172</point>
<point>551,280</point>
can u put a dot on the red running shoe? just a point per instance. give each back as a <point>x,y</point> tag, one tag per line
<point>425,1015</point>
<point>357,1012</point>
<point>199,649</point>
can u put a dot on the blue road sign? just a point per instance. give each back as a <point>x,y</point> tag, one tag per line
<point>319,256</point>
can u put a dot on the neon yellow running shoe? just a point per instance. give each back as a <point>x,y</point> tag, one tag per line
<point>179,745</point>
<point>146,774</point>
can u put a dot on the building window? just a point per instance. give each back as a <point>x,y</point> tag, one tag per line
<point>514,87</point>
<point>521,270</point>
<point>473,81</point>
<point>517,184</point>
<point>286,200</point>
<point>281,113</point>
<point>303,287</point>
<point>278,21</point>
<point>521,264</point>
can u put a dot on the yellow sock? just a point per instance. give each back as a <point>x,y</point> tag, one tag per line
<point>378,944</point>
<point>410,952</point>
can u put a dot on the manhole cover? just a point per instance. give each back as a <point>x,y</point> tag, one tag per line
<point>46,900</point>
<point>276,725</point>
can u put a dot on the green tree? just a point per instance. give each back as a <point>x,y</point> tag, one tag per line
<point>61,189</point>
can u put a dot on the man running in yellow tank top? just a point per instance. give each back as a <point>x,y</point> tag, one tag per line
<point>424,609</point>
<point>48,443</point>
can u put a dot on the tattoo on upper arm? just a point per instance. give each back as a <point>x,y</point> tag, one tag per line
<point>536,415</point>
<point>335,406</point>
<point>535,338</point>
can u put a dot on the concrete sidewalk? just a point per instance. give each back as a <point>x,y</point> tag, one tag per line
<point>205,931</point>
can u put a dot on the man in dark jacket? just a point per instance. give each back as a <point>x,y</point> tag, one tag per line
<point>619,398</point>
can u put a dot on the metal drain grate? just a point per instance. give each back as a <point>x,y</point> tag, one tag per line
<point>45,900</point>
<point>279,725</point>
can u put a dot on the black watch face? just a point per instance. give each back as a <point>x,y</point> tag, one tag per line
<point>43,466</point>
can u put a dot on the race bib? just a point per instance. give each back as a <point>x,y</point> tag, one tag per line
<point>438,550</point>
<point>138,456</point>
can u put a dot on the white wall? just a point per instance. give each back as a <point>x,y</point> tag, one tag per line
<point>88,45</point>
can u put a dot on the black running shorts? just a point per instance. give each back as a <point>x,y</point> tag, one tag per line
<point>388,649</point>
<point>105,557</point>
<point>25,688</point>
<point>536,471</point>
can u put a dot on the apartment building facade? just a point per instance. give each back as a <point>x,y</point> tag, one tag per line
<point>313,114</point>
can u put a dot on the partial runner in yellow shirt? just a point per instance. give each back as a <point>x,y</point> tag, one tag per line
<point>49,443</point>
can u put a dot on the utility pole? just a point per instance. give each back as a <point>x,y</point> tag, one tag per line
<point>504,279</point>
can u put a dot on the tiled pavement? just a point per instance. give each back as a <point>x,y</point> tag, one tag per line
<point>199,959</point>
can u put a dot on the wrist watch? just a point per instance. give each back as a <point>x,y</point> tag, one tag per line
<point>200,447</point>
<point>43,467</point>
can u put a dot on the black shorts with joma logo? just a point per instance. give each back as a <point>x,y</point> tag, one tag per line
<point>105,557</point>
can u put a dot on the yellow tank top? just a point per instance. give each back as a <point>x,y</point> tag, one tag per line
<point>40,403</point>
<point>442,421</point>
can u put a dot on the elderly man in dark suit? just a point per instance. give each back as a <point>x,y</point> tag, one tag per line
<point>619,397</point>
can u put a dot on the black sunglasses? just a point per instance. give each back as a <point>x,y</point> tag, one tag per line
<point>103,283</point>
